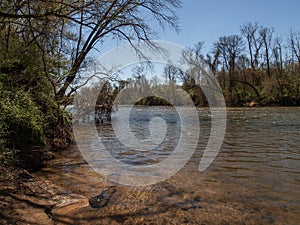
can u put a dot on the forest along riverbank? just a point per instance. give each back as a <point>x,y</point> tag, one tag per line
<point>254,180</point>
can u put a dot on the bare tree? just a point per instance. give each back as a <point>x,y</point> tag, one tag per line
<point>230,48</point>
<point>213,60</point>
<point>68,31</point>
<point>172,73</point>
<point>278,54</point>
<point>194,58</point>
<point>294,45</point>
<point>266,36</point>
<point>193,55</point>
<point>254,42</point>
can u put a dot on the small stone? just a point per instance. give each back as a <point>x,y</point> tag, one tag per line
<point>102,199</point>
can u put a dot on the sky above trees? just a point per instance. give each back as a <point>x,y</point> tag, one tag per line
<point>208,20</point>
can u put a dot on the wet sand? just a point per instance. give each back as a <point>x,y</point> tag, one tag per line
<point>60,194</point>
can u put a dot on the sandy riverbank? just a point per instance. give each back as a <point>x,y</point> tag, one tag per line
<point>60,194</point>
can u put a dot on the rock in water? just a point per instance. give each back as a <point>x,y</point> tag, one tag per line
<point>68,205</point>
<point>102,199</point>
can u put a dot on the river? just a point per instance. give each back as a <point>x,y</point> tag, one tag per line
<point>255,178</point>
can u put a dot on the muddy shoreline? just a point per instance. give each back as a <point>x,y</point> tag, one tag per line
<point>60,194</point>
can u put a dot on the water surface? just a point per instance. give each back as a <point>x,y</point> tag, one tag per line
<point>255,178</point>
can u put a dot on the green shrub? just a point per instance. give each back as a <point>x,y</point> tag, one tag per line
<point>21,121</point>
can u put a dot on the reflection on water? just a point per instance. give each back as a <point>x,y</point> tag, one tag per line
<point>255,178</point>
<point>142,126</point>
<point>260,149</point>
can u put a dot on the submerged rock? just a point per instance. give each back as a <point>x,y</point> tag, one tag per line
<point>102,199</point>
<point>66,207</point>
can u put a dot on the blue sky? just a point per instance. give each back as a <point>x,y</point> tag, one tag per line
<point>208,20</point>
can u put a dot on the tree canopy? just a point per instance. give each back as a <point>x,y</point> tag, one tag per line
<point>45,47</point>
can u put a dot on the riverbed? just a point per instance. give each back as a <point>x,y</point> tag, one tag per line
<point>255,178</point>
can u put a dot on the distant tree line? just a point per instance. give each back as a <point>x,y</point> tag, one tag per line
<point>253,68</point>
<point>256,66</point>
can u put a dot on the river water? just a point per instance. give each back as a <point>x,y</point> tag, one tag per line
<point>261,151</point>
<point>255,178</point>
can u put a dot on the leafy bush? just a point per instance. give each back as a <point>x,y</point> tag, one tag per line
<point>21,121</point>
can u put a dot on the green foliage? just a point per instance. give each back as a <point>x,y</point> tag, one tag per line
<point>153,100</point>
<point>6,155</point>
<point>22,120</point>
<point>282,89</point>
